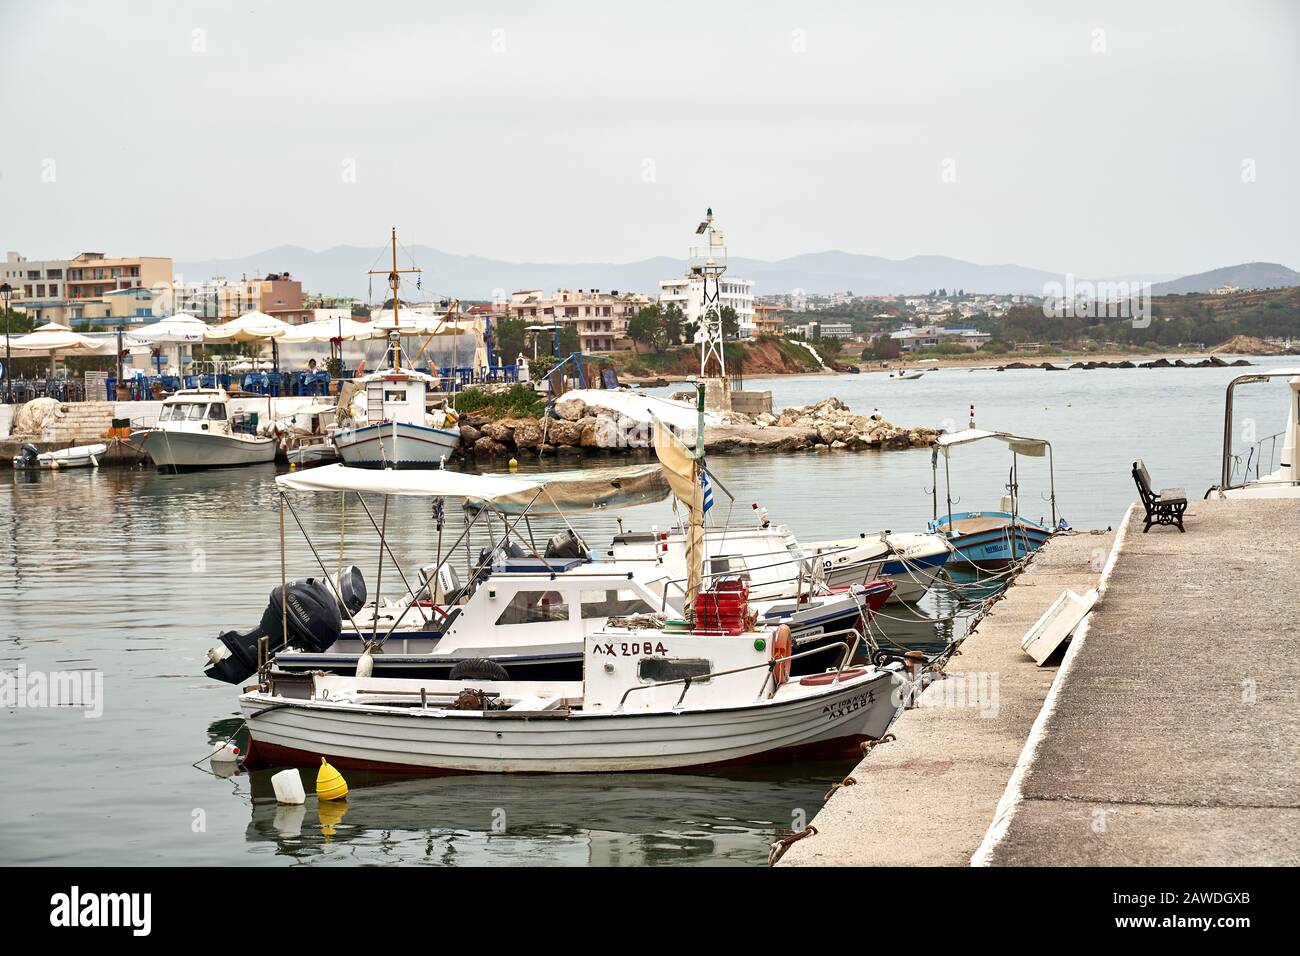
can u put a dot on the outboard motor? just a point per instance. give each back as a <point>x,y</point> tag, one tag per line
<point>566,544</point>
<point>28,455</point>
<point>314,624</point>
<point>351,588</point>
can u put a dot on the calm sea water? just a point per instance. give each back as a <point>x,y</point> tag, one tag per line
<point>130,574</point>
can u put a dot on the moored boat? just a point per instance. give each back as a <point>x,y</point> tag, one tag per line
<point>992,540</point>
<point>79,456</point>
<point>196,429</point>
<point>650,698</point>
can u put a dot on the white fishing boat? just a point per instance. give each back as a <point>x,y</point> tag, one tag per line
<point>911,561</point>
<point>383,421</point>
<point>196,429</point>
<point>80,456</point>
<point>1267,468</point>
<point>650,698</point>
<point>902,375</point>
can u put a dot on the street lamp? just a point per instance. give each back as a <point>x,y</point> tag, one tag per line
<point>6,291</point>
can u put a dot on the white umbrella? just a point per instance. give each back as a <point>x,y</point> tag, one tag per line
<point>322,330</point>
<point>173,330</point>
<point>249,327</point>
<point>50,338</point>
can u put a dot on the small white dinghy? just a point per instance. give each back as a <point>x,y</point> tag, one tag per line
<point>652,697</point>
<point>80,456</point>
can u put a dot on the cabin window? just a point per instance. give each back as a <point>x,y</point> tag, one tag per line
<point>195,412</point>
<point>535,607</point>
<point>166,414</point>
<point>217,411</point>
<point>395,395</point>
<point>673,668</point>
<point>613,603</point>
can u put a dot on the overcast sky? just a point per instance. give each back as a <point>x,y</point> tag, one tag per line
<point>1099,138</point>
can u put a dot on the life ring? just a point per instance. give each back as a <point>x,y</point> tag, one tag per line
<point>782,647</point>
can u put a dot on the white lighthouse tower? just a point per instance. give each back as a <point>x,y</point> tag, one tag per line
<point>706,265</point>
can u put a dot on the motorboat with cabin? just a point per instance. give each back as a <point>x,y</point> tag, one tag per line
<point>1245,474</point>
<point>521,608</point>
<point>197,429</point>
<point>992,540</point>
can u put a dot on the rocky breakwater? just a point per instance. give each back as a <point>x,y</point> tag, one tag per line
<point>579,428</point>
<point>829,424</point>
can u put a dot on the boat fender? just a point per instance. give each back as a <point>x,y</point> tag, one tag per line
<point>782,647</point>
<point>226,753</point>
<point>288,788</point>
<point>366,663</point>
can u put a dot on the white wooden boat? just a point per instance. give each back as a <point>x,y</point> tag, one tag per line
<point>650,699</point>
<point>80,456</point>
<point>382,422</point>
<point>196,429</point>
<point>911,561</point>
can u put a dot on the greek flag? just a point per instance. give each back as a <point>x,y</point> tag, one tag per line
<point>708,490</point>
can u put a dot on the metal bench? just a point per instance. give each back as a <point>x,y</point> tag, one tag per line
<point>1163,507</point>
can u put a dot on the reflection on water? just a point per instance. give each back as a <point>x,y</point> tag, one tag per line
<point>598,819</point>
<point>132,573</point>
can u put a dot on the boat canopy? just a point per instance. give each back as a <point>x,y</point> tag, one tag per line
<point>1033,447</point>
<point>553,492</point>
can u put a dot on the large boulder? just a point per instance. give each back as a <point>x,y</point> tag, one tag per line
<point>499,432</point>
<point>469,435</point>
<point>487,447</point>
<point>528,433</point>
<point>563,433</point>
<point>571,409</point>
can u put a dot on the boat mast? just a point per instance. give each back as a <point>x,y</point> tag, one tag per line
<point>393,278</point>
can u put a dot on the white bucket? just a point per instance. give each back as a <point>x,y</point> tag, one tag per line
<point>288,787</point>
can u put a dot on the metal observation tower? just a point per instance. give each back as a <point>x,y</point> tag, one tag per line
<point>708,263</point>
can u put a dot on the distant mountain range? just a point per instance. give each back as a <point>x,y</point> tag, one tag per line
<point>1248,275</point>
<point>342,270</point>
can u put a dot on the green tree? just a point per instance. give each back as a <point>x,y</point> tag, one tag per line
<point>672,321</point>
<point>730,324</point>
<point>510,338</point>
<point>646,326</point>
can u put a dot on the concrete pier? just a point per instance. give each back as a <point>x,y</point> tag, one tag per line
<point>1170,736</point>
<point>927,798</point>
<point>1175,736</point>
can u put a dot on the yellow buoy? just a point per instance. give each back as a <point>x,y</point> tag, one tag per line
<point>330,784</point>
<point>514,464</point>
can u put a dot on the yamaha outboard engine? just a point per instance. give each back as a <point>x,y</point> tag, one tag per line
<point>351,588</point>
<point>314,622</point>
<point>28,455</point>
<point>566,544</point>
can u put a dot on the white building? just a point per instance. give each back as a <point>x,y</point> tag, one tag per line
<point>687,294</point>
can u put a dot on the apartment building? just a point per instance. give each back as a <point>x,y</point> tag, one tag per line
<point>38,286</point>
<point>600,318</point>
<point>687,293</point>
<point>767,320</point>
